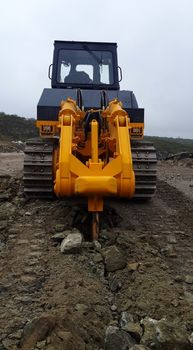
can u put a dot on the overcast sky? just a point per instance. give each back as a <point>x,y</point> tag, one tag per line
<point>155,51</point>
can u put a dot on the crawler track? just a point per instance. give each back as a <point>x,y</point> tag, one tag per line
<point>144,163</point>
<point>37,175</point>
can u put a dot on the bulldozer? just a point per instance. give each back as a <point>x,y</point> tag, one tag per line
<point>91,133</point>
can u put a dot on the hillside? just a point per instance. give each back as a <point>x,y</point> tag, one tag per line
<point>14,128</point>
<point>170,145</point>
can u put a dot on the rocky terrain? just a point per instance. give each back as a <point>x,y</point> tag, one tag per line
<point>133,289</point>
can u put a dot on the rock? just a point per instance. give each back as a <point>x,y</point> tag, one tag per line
<point>132,266</point>
<point>68,341</point>
<point>82,308</point>
<point>28,213</point>
<point>190,338</point>
<point>178,278</point>
<point>175,302</point>
<point>17,335</point>
<point>125,318</point>
<point>189,279</point>
<point>164,335</point>
<point>60,228</point>
<point>171,239</point>
<point>134,329</point>
<point>115,285</point>
<point>36,331</point>
<point>114,259</point>
<point>113,307</point>
<point>188,297</point>
<point>97,245</point>
<point>59,236</point>
<point>28,279</point>
<point>7,344</point>
<point>98,258</point>
<point>116,339</point>
<point>72,243</point>
<point>41,344</point>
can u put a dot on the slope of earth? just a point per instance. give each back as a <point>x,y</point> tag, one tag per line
<point>131,290</point>
<point>178,174</point>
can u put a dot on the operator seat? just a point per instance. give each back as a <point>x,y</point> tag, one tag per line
<point>78,78</point>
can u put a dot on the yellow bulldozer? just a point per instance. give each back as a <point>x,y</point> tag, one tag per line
<point>91,132</point>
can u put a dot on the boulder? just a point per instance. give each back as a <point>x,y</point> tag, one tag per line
<point>114,259</point>
<point>164,335</point>
<point>59,236</point>
<point>72,243</point>
<point>116,339</point>
<point>36,331</point>
<point>134,329</point>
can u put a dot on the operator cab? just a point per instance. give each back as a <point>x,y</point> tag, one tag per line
<point>85,65</point>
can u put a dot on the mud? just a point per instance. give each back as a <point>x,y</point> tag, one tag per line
<point>96,299</point>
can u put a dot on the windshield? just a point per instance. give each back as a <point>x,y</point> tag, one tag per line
<point>85,67</point>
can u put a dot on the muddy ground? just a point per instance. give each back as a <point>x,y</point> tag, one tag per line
<point>131,290</point>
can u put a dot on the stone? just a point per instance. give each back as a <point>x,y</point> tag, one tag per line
<point>189,279</point>
<point>28,279</point>
<point>72,243</point>
<point>41,344</point>
<point>115,285</point>
<point>114,259</point>
<point>60,228</point>
<point>7,344</point>
<point>190,338</point>
<point>132,266</point>
<point>178,278</point>
<point>68,341</point>
<point>116,339</point>
<point>164,335</point>
<point>125,318</point>
<point>113,307</point>
<point>82,308</point>
<point>98,258</point>
<point>59,236</point>
<point>28,213</point>
<point>175,302</point>
<point>134,329</point>
<point>97,245</point>
<point>188,297</point>
<point>171,239</point>
<point>36,331</point>
<point>16,335</point>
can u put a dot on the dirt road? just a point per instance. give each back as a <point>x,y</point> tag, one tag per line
<point>110,295</point>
